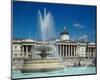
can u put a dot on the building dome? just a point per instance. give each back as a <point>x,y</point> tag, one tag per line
<point>65,34</point>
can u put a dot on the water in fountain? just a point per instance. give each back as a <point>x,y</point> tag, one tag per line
<point>46,23</point>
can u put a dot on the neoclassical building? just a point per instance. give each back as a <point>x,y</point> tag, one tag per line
<point>65,48</point>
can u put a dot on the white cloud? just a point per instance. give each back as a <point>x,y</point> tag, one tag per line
<point>80,38</point>
<point>77,25</point>
<point>74,38</point>
<point>83,37</point>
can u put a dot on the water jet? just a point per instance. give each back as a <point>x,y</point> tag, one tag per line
<point>46,48</point>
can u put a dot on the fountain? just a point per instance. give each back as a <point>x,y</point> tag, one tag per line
<point>46,48</point>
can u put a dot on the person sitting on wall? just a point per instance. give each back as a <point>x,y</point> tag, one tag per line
<point>75,65</point>
<point>79,62</point>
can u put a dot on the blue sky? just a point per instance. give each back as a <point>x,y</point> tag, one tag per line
<point>79,20</point>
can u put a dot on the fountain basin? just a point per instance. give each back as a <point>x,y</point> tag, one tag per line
<point>41,65</point>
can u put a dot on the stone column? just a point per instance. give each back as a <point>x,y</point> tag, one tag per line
<point>66,51</point>
<point>57,46</point>
<point>77,52</point>
<point>88,52</point>
<point>74,50</point>
<point>26,51</point>
<point>91,52</point>
<point>63,51</point>
<point>23,51</point>
<point>69,50</point>
<point>31,51</point>
<point>94,52</point>
<point>60,50</point>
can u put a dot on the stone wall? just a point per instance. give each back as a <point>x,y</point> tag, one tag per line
<point>70,62</point>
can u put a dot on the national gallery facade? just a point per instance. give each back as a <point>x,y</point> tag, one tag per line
<point>64,47</point>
